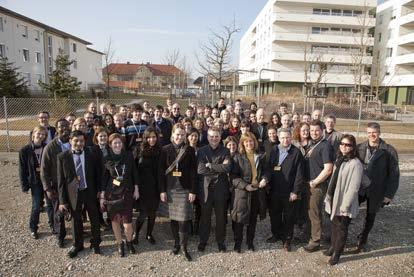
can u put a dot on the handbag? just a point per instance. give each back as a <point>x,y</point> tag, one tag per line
<point>116,202</point>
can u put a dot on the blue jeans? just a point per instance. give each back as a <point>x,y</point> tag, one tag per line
<point>37,193</point>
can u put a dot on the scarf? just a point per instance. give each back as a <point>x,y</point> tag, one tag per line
<point>334,179</point>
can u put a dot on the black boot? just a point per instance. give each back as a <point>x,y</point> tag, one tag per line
<point>334,258</point>
<point>329,251</point>
<point>184,242</point>
<point>121,249</point>
<point>237,247</point>
<point>150,227</point>
<point>176,236</point>
<point>130,247</point>
<point>138,226</point>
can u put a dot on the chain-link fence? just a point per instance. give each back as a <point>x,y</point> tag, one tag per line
<point>19,115</point>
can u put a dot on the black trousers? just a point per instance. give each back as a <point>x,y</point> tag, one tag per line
<point>339,229</point>
<point>180,231</point>
<point>282,216</point>
<point>219,205</point>
<point>369,220</point>
<point>87,200</point>
<point>251,226</point>
<point>58,223</point>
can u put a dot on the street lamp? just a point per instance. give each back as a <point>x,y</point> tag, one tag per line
<point>234,79</point>
<point>258,91</point>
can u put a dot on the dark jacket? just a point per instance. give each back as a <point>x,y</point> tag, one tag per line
<point>164,130</point>
<point>268,146</point>
<point>66,174</point>
<point>216,177</point>
<point>260,136</point>
<point>147,165</point>
<point>48,167</point>
<point>187,167</point>
<point>290,177</point>
<point>241,176</point>
<point>130,177</point>
<point>383,172</point>
<point>27,168</point>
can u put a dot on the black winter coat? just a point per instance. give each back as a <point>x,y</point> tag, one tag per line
<point>384,173</point>
<point>241,176</point>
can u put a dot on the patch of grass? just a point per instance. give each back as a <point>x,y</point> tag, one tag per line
<point>386,126</point>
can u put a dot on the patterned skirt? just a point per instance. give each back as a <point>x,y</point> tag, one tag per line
<point>177,207</point>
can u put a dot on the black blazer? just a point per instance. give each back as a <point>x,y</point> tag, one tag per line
<point>67,173</point>
<point>27,170</point>
<point>164,130</point>
<point>48,167</point>
<point>290,177</point>
<point>187,166</point>
<point>260,137</point>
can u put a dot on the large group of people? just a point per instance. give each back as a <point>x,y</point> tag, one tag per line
<point>232,159</point>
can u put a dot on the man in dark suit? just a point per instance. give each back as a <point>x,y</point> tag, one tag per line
<point>162,125</point>
<point>79,174</point>
<point>259,129</point>
<point>381,177</point>
<point>285,171</point>
<point>48,176</point>
<point>214,164</point>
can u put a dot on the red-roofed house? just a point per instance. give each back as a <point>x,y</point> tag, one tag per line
<point>147,76</point>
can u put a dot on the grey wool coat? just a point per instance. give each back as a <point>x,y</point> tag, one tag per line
<point>345,199</point>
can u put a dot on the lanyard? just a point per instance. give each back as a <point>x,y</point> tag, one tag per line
<point>137,129</point>
<point>39,156</point>
<point>123,171</point>
<point>312,148</point>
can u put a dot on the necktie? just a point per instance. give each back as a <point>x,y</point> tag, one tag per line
<point>79,172</point>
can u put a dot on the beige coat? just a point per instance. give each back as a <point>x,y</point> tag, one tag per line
<point>345,202</point>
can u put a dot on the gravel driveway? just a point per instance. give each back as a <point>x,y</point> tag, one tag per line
<point>391,245</point>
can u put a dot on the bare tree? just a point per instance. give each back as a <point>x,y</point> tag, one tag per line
<point>172,57</point>
<point>316,67</point>
<point>216,54</point>
<point>109,54</point>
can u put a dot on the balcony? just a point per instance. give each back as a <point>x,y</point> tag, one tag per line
<point>406,59</point>
<point>335,3</point>
<point>407,39</point>
<point>327,37</point>
<point>407,20</point>
<point>309,17</point>
<point>325,56</point>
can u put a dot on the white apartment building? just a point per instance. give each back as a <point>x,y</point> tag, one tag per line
<point>33,46</point>
<point>394,51</point>
<point>330,32</point>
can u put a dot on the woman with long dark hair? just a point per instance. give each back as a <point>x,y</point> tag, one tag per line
<point>341,200</point>
<point>119,188</point>
<point>177,186</point>
<point>147,164</point>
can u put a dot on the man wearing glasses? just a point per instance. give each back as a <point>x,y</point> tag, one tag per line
<point>380,179</point>
<point>43,119</point>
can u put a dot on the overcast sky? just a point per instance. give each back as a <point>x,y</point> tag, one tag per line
<point>142,30</point>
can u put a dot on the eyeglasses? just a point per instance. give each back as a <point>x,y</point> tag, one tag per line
<point>346,144</point>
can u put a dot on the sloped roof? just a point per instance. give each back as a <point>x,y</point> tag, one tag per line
<point>132,68</point>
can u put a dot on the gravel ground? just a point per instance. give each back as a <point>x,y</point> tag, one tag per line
<point>391,245</point>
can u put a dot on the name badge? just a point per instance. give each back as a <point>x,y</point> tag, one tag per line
<point>116,182</point>
<point>138,140</point>
<point>260,140</point>
<point>277,168</point>
<point>78,178</point>
<point>161,135</point>
<point>176,173</point>
<point>37,169</point>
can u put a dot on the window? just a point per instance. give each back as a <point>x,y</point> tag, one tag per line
<point>24,31</point>
<point>379,37</point>
<point>316,30</point>
<point>336,30</point>
<point>50,54</point>
<point>389,52</point>
<point>2,51</point>
<point>317,11</point>
<point>25,55</point>
<point>38,57</point>
<point>39,78</point>
<point>75,64</point>
<point>380,19</point>
<point>326,12</point>
<point>1,24</point>
<point>74,47</point>
<point>356,31</point>
<point>37,35</point>
<point>336,12</point>
<point>324,30</point>
<point>347,13</point>
<point>346,31</point>
<point>357,13</point>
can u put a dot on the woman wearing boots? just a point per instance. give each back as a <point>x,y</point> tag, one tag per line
<point>177,186</point>
<point>119,188</point>
<point>249,195</point>
<point>193,141</point>
<point>341,200</point>
<point>147,164</point>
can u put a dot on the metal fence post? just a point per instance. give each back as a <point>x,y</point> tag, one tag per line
<point>7,123</point>
<point>360,115</point>
<point>97,105</point>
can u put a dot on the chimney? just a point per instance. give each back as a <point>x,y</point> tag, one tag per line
<point>128,62</point>
<point>148,63</point>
